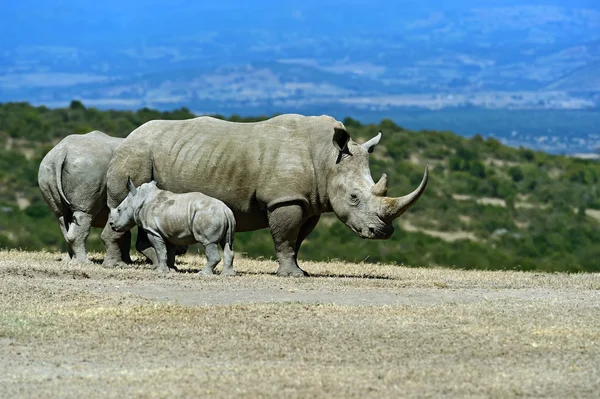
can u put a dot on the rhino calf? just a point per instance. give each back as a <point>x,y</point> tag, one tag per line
<point>171,219</point>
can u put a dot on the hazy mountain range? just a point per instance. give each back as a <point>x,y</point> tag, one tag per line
<point>370,59</point>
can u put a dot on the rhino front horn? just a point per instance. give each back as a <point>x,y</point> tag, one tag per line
<point>394,207</point>
<point>380,189</point>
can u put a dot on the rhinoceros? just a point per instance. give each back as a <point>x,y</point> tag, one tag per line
<point>178,219</point>
<point>281,173</point>
<point>72,179</point>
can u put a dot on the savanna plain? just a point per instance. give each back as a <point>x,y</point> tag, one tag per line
<point>348,330</point>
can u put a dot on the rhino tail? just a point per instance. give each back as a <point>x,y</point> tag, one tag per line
<point>230,228</point>
<point>58,169</point>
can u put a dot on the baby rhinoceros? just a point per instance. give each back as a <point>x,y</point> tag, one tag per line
<point>172,219</point>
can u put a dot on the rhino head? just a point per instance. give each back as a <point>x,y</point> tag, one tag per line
<point>355,198</point>
<point>122,218</point>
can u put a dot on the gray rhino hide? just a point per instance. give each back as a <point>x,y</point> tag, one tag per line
<point>72,179</point>
<point>281,173</point>
<point>171,219</point>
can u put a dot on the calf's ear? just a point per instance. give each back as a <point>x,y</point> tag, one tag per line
<point>130,186</point>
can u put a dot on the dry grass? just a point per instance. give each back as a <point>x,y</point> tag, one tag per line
<point>352,330</point>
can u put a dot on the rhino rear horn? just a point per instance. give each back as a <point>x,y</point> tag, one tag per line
<point>380,189</point>
<point>394,207</point>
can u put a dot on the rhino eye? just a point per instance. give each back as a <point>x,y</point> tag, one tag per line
<point>354,199</point>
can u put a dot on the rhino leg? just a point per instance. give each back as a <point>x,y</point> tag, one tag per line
<point>161,251</point>
<point>77,234</point>
<point>307,227</point>
<point>62,223</point>
<point>285,223</point>
<point>212,258</point>
<point>117,247</point>
<point>171,252</point>
<point>125,247</point>
<point>227,259</point>
<point>143,246</point>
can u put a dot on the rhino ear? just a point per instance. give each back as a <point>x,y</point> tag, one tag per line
<point>369,145</point>
<point>340,138</point>
<point>130,186</point>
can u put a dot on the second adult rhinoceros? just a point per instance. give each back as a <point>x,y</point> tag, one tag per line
<point>281,173</point>
<point>72,179</point>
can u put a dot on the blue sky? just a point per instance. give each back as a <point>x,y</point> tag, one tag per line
<point>70,22</point>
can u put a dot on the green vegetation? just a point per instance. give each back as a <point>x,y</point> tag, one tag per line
<point>487,206</point>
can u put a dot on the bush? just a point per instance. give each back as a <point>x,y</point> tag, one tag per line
<point>515,173</point>
<point>526,154</point>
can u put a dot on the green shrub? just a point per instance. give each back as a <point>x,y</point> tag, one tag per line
<point>515,173</point>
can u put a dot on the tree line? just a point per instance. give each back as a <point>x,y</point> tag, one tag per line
<point>487,206</point>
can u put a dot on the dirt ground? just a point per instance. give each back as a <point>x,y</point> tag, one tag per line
<point>349,330</point>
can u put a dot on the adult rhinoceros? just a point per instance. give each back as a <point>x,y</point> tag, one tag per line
<point>72,179</point>
<point>282,173</point>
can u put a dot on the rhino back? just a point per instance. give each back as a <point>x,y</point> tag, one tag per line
<point>83,161</point>
<point>177,216</point>
<point>248,166</point>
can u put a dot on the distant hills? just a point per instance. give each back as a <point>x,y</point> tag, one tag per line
<point>584,79</point>
<point>371,60</point>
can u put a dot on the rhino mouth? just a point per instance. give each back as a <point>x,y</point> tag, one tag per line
<point>374,232</point>
<point>114,227</point>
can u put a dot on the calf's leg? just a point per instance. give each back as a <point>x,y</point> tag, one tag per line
<point>142,245</point>
<point>161,251</point>
<point>212,258</point>
<point>227,259</point>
